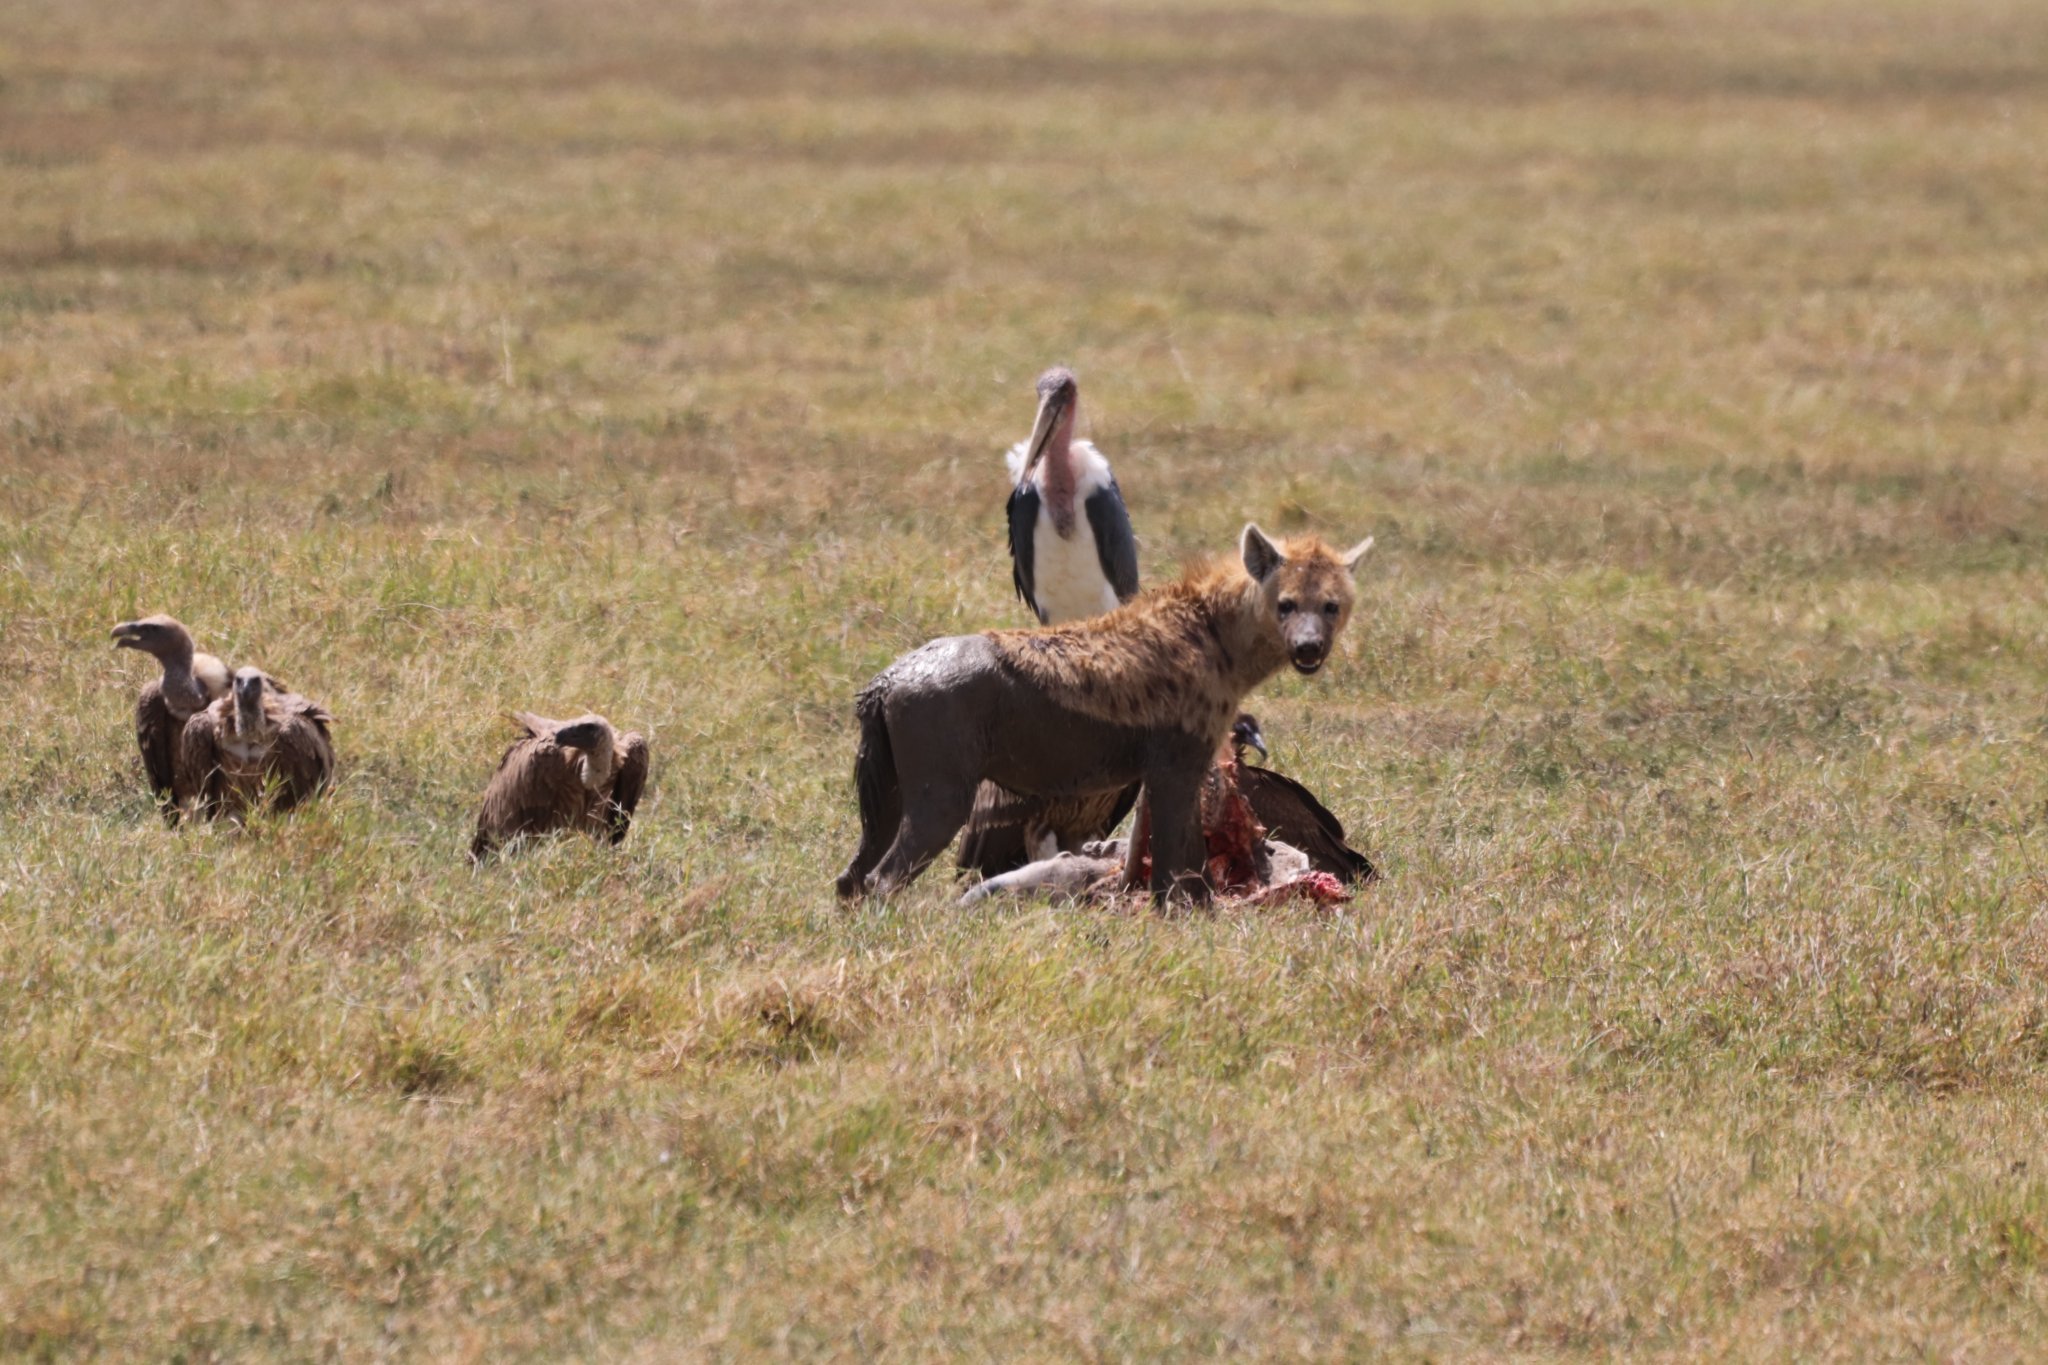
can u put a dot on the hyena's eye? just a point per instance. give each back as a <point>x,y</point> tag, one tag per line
<point>1330,610</point>
<point>1286,607</point>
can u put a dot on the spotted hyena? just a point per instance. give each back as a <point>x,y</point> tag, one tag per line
<point>1147,692</point>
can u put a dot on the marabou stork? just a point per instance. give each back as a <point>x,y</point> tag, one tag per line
<point>1062,574</point>
<point>1072,556</point>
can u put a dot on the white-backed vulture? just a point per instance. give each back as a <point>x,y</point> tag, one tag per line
<point>191,682</point>
<point>257,745</point>
<point>1291,813</point>
<point>562,774</point>
<point>1005,830</point>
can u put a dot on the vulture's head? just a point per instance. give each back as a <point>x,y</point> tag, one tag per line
<point>248,693</point>
<point>1245,734</point>
<point>163,636</point>
<point>592,738</point>
<point>1059,394</point>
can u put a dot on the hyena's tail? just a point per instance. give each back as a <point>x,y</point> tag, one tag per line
<point>875,784</point>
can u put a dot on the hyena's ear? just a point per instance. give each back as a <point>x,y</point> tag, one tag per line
<point>1261,556</point>
<point>1357,552</point>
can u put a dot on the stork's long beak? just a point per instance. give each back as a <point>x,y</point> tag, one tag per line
<point>1051,409</point>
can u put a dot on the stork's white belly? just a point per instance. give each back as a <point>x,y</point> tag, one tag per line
<point>1066,575</point>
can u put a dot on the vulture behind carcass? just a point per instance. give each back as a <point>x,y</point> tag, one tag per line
<point>259,745</point>
<point>562,774</point>
<point>191,681</point>
<point>1291,813</point>
<point>1006,830</point>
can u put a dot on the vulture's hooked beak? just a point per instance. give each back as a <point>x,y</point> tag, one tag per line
<point>128,635</point>
<point>1246,733</point>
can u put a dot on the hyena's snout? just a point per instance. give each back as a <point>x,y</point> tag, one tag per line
<point>1308,642</point>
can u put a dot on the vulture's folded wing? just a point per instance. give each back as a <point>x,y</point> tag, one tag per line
<point>537,788</point>
<point>627,783</point>
<point>302,762</point>
<point>198,775</point>
<point>1291,814</point>
<point>993,841</point>
<point>157,732</point>
<point>1002,823</point>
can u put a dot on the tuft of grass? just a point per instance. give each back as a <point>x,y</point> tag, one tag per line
<point>416,1063</point>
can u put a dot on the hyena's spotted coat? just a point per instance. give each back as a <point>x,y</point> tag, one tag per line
<point>1146,692</point>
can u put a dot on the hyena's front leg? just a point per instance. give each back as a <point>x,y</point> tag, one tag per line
<point>1173,787</point>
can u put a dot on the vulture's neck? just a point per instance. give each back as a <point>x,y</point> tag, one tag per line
<point>598,765</point>
<point>253,722</point>
<point>183,692</point>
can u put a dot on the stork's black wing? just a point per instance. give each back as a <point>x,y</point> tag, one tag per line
<point>1114,541</point>
<point>1291,814</point>
<point>1023,512</point>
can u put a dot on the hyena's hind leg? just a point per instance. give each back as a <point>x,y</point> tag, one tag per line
<point>931,817</point>
<point>938,769</point>
<point>880,793</point>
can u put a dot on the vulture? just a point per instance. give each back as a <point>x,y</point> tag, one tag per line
<point>191,682</point>
<point>1072,556</point>
<point>1005,830</point>
<point>259,745</point>
<point>562,774</point>
<point>1291,813</point>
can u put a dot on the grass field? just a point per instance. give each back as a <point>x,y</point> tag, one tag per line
<point>1686,359</point>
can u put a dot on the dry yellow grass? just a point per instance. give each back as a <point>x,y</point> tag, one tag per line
<point>1685,359</point>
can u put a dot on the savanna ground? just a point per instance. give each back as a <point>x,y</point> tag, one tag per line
<point>656,358</point>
